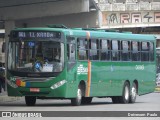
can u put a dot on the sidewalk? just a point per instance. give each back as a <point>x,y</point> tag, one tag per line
<point>5,98</point>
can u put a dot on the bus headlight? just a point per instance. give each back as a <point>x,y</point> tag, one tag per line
<point>11,84</point>
<point>58,84</point>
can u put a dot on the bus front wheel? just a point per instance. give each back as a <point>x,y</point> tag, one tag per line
<point>30,100</point>
<point>77,101</point>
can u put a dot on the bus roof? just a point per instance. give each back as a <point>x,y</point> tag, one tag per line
<point>96,33</point>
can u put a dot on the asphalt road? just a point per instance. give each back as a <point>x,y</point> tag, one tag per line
<point>149,102</point>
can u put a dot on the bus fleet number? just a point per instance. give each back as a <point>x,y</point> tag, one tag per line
<point>139,67</point>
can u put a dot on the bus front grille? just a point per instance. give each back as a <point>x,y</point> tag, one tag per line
<point>31,79</point>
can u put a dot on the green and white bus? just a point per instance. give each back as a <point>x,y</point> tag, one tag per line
<point>79,64</point>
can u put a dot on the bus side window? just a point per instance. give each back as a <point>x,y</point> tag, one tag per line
<point>151,51</point>
<point>125,51</point>
<point>135,51</point>
<point>115,50</point>
<point>93,49</point>
<point>105,49</point>
<point>71,50</point>
<point>145,51</point>
<point>82,47</point>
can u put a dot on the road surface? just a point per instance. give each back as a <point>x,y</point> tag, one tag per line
<point>149,102</point>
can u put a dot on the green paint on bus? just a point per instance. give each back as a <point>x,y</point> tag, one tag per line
<point>79,64</point>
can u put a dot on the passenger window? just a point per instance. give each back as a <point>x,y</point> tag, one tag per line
<point>145,46</point>
<point>105,49</point>
<point>82,45</point>
<point>115,50</point>
<point>93,49</point>
<point>145,51</point>
<point>71,52</point>
<point>125,51</point>
<point>151,51</point>
<point>135,51</point>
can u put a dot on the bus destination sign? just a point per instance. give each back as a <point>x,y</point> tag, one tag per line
<point>36,34</point>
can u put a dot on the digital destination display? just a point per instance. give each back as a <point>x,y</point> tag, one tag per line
<point>36,34</point>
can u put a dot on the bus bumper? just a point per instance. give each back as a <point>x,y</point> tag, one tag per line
<point>39,92</point>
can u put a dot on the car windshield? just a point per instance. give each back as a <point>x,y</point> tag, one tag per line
<point>36,56</point>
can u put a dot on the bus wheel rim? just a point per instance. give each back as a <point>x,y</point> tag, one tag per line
<point>126,93</point>
<point>79,94</point>
<point>133,92</point>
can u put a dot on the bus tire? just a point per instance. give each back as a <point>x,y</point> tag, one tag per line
<point>30,100</point>
<point>115,99</point>
<point>133,93</point>
<point>77,101</point>
<point>86,100</point>
<point>125,94</point>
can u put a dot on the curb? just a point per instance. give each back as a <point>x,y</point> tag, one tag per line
<point>6,98</point>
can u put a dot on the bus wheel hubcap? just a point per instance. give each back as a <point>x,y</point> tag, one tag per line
<point>126,93</point>
<point>79,94</point>
<point>133,92</point>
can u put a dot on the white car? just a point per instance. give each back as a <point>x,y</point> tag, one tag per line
<point>158,79</point>
<point>158,83</point>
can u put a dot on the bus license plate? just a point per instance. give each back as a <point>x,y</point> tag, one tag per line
<point>34,90</point>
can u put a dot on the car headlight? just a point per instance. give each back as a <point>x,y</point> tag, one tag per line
<point>58,84</point>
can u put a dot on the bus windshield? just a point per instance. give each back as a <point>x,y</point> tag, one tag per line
<point>36,56</point>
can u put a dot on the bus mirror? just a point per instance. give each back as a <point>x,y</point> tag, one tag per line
<point>3,47</point>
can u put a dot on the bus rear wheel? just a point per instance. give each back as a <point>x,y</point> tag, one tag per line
<point>133,94</point>
<point>77,101</point>
<point>30,100</point>
<point>125,94</point>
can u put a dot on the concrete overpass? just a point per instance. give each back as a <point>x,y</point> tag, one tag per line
<point>24,9</point>
<point>36,13</point>
<point>24,13</point>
